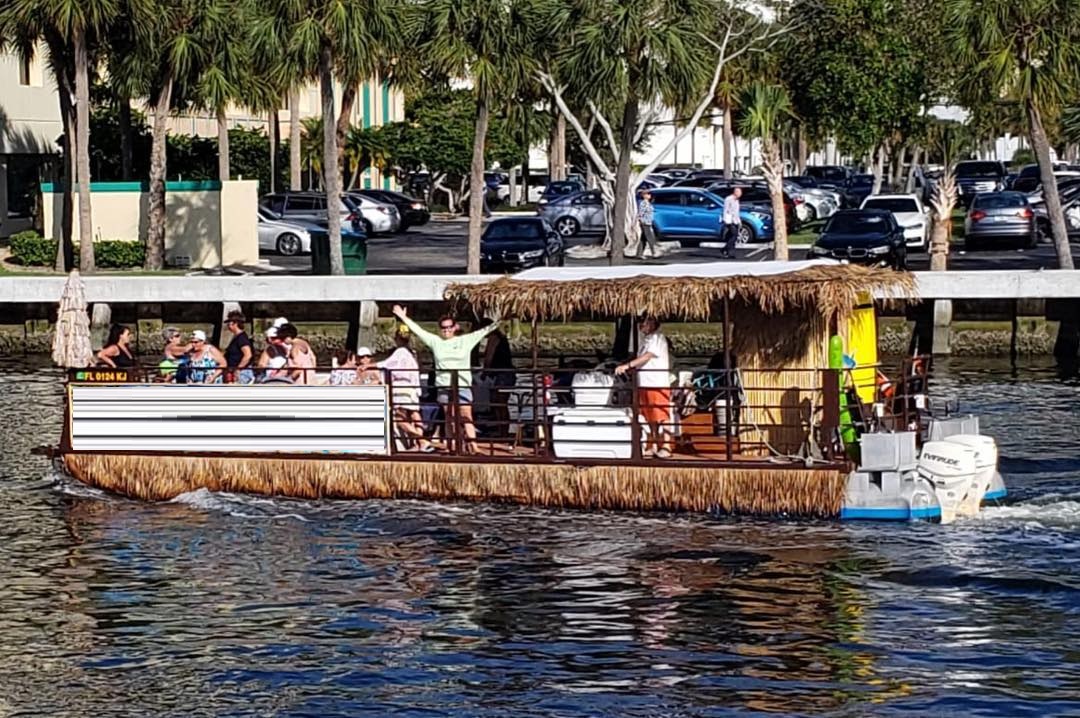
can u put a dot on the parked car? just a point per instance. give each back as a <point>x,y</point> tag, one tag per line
<point>1069,192</point>
<point>858,188</point>
<point>1000,217</point>
<point>285,238</point>
<point>512,244</point>
<point>694,215</point>
<point>756,195</point>
<point>812,203</point>
<point>562,188</point>
<point>579,213</point>
<point>829,175</point>
<point>700,180</point>
<point>311,206</point>
<point>413,212</point>
<point>976,176</point>
<point>862,236</point>
<point>908,212</point>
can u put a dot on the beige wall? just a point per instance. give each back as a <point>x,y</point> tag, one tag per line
<point>203,226</point>
<point>29,114</point>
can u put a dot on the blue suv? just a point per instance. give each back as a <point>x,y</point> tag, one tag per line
<point>693,216</point>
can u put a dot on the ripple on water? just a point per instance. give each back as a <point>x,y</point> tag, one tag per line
<point>218,604</point>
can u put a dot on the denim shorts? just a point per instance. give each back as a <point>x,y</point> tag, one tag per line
<point>464,396</point>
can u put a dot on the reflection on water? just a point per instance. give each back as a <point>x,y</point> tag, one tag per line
<point>227,605</point>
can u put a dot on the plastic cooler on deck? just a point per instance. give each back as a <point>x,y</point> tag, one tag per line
<point>592,433</point>
<point>592,388</point>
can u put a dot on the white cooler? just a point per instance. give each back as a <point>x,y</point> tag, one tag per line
<point>592,433</point>
<point>592,388</point>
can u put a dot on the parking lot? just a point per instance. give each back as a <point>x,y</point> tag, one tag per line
<point>439,248</point>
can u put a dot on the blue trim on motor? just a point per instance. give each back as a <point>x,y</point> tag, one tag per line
<point>886,514</point>
<point>995,495</point>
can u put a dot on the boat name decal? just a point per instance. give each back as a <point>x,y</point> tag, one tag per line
<point>942,459</point>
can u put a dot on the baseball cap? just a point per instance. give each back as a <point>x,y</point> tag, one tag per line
<point>280,322</point>
<point>271,333</point>
<point>364,352</point>
<point>198,336</point>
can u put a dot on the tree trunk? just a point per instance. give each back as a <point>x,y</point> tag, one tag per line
<point>898,168</point>
<point>155,239</point>
<point>156,235</point>
<point>729,142</point>
<point>477,187</point>
<point>909,185</point>
<point>82,156</point>
<point>127,149</point>
<point>942,203</point>
<point>560,132</point>
<point>65,251</point>
<point>773,166</point>
<point>223,146</point>
<point>800,165</point>
<point>348,99</point>
<point>879,168</point>
<point>331,168</point>
<point>295,183</point>
<point>272,135</point>
<point>1041,145</point>
<point>622,181</point>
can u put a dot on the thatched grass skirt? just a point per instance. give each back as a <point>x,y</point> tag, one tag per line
<point>669,487</point>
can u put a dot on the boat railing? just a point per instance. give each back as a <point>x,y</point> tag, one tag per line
<point>709,415</point>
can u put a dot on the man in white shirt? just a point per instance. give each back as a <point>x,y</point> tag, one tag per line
<point>731,222</point>
<point>653,365</point>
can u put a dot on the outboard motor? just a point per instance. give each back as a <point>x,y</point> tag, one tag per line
<point>951,468</point>
<point>986,459</point>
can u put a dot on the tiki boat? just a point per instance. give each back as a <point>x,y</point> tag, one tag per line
<point>790,416</point>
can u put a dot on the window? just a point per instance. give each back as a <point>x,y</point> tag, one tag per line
<point>274,203</point>
<point>667,198</point>
<point>1000,200</point>
<point>515,229</point>
<point>858,223</point>
<point>755,194</point>
<point>24,71</point>
<point>304,203</point>
<point>989,170</point>
<point>588,198</point>
<point>892,205</point>
<point>700,201</point>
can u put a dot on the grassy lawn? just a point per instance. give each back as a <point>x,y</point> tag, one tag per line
<point>807,233</point>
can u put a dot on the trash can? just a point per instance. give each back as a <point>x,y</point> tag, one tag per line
<point>354,253</point>
<point>320,252</point>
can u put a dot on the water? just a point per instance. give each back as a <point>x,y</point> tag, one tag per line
<point>227,605</point>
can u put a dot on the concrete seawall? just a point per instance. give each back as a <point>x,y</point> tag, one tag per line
<point>987,313</point>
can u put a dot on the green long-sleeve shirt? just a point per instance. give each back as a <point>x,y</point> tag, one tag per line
<point>451,354</point>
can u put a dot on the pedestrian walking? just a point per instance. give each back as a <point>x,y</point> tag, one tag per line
<point>645,218</point>
<point>731,222</point>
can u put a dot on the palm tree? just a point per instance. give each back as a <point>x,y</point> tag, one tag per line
<point>1028,50</point>
<point>487,44</point>
<point>766,111</point>
<point>365,147</point>
<point>311,148</point>
<point>342,39</point>
<point>732,83</point>
<point>950,141</point>
<point>78,23</point>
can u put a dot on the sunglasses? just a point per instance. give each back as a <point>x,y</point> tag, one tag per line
<point>446,327</point>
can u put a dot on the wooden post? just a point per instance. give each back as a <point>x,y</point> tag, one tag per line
<point>1013,348</point>
<point>635,423</point>
<point>830,412</point>
<point>537,433</point>
<point>727,378</point>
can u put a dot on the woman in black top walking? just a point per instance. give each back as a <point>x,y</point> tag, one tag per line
<point>239,355</point>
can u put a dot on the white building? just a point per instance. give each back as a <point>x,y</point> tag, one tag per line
<point>29,129</point>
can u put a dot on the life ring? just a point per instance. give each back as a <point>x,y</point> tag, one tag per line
<point>885,386</point>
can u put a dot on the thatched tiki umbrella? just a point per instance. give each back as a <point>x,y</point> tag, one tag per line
<point>71,339</point>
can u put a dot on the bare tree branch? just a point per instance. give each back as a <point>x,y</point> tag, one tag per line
<point>556,93</point>
<point>606,127</point>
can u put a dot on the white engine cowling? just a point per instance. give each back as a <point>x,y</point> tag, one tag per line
<point>986,460</point>
<point>951,468</point>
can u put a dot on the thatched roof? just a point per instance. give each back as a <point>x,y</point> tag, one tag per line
<point>687,291</point>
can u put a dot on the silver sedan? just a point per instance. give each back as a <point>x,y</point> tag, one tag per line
<point>282,236</point>
<point>575,214</point>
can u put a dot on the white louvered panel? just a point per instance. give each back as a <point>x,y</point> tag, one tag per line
<point>227,392</point>
<point>262,418</point>
<point>304,410</point>
<point>124,426</point>
<point>261,445</point>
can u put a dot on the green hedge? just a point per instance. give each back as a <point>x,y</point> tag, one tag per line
<point>32,250</point>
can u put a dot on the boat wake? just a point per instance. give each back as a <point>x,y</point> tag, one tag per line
<point>244,507</point>
<point>1050,511</point>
